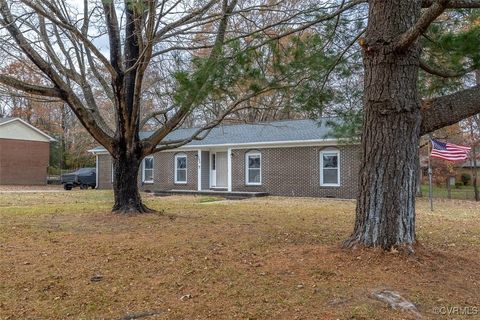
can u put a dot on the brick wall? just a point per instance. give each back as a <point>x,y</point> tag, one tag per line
<point>163,176</point>
<point>205,170</point>
<point>104,167</point>
<point>285,171</point>
<point>296,172</point>
<point>23,162</point>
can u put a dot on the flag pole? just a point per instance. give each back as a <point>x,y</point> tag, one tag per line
<point>430,193</point>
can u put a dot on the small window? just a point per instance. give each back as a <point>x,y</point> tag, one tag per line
<point>330,168</point>
<point>253,172</point>
<point>213,161</point>
<point>180,168</point>
<point>148,164</point>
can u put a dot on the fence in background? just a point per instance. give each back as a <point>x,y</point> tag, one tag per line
<point>53,176</point>
<point>462,193</point>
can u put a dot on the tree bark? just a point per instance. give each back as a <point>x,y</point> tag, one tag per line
<point>446,110</point>
<point>125,183</point>
<point>385,212</point>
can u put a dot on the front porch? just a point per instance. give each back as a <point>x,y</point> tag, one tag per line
<point>219,193</point>
<point>214,170</point>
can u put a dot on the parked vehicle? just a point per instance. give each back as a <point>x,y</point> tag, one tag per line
<point>83,178</point>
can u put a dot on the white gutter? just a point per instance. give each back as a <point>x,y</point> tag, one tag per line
<point>271,144</point>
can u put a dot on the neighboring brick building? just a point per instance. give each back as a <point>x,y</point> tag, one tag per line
<point>24,153</point>
<point>286,158</point>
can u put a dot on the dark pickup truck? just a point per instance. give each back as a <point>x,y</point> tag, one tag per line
<point>83,178</point>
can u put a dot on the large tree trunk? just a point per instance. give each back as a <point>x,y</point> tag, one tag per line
<point>385,213</point>
<point>125,184</point>
<point>127,154</point>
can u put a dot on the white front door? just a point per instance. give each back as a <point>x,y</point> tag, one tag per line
<point>213,169</point>
<point>221,172</point>
<point>218,170</point>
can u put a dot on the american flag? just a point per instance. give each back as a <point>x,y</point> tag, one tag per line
<point>449,151</point>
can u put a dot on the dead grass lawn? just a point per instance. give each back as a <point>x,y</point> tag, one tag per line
<point>64,256</point>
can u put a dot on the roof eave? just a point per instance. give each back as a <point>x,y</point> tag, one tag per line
<point>51,139</point>
<point>98,151</point>
<point>291,143</point>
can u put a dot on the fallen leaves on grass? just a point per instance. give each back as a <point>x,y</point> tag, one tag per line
<point>251,259</point>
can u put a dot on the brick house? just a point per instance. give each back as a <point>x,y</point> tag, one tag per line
<point>285,158</point>
<point>24,153</point>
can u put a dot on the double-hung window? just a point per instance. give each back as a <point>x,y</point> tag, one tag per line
<point>180,168</point>
<point>330,168</point>
<point>148,164</point>
<point>253,170</point>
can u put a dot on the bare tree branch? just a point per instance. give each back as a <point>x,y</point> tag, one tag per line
<point>151,143</point>
<point>193,16</point>
<point>202,132</point>
<point>154,114</point>
<point>60,21</point>
<point>444,73</point>
<point>87,118</point>
<point>30,88</point>
<point>422,24</point>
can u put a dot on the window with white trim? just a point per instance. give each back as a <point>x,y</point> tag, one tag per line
<point>253,170</point>
<point>330,168</point>
<point>147,172</point>
<point>180,168</point>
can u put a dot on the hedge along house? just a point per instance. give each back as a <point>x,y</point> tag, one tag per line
<point>24,153</point>
<point>285,158</point>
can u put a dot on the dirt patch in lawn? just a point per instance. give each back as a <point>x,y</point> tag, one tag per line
<point>271,258</point>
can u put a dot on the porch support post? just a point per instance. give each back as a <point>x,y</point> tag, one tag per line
<point>96,171</point>
<point>229,169</point>
<point>199,171</point>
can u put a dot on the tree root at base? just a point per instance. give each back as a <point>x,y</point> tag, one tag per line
<point>132,209</point>
<point>354,243</point>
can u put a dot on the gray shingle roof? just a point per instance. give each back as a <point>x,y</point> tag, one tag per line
<point>276,131</point>
<point>265,132</point>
